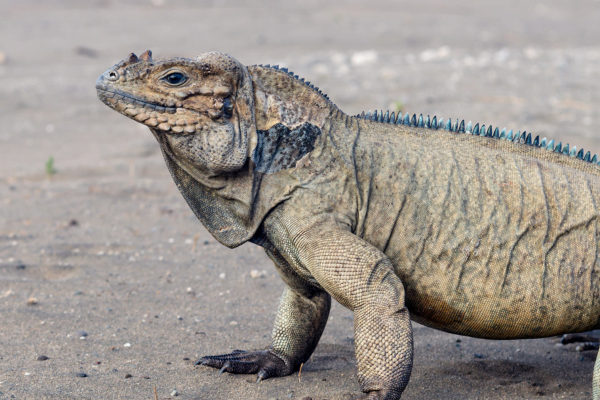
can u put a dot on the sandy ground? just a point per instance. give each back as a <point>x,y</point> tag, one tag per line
<point>106,244</point>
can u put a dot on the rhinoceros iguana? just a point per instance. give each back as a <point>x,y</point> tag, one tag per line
<point>464,229</point>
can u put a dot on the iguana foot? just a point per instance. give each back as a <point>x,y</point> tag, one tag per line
<point>588,346</point>
<point>265,362</point>
<point>380,395</point>
<point>576,338</point>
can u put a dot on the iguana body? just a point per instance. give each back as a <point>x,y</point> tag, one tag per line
<point>472,234</point>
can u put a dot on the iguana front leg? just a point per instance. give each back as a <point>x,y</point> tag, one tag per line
<point>362,279</point>
<point>301,319</point>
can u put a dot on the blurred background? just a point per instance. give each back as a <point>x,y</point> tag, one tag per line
<point>94,236</point>
<point>527,65</point>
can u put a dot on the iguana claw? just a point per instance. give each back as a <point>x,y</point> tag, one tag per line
<point>225,366</point>
<point>262,375</point>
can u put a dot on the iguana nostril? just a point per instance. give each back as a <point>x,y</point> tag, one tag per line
<point>112,75</point>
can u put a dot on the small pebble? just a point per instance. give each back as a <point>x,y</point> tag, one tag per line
<point>98,362</point>
<point>32,301</point>
<point>174,393</point>
<point>81,333</point>
<point>127,345</point>
<point>307,398</point>
<point>42,358</point>
<point>185,359</point>
<point>2,58</point>
<point>256,274</point>
<point>477,355</point>
<point>81,374</point>
<point>78,293</point>
<point>233,323</point>
<point>20,266</point>
<point>146,377</point>
<point>127,376</point>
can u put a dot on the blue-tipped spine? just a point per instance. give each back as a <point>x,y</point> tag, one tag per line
<point>573,152</point>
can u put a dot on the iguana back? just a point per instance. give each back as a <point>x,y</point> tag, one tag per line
<point>491,238</point>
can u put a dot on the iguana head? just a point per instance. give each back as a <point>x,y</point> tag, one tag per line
<point>201,109</point>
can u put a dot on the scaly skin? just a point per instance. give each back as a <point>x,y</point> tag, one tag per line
<point>464,233</point>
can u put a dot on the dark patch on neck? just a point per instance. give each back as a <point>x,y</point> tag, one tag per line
<point>280,147</point>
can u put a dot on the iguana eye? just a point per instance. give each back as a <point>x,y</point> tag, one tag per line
<point>227,107</point>
<point>175,79</point>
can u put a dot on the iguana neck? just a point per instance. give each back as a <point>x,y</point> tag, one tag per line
<point>280,97</point>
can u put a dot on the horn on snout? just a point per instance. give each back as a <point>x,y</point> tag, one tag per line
<point>131,59</point>
<point>147,56</point>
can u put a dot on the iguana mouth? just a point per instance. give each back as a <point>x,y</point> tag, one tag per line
<point>152,115</point>
<point>105,93</point>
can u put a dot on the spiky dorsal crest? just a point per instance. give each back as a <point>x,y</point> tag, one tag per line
<point>290,73</point>
<point>438,124</point>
